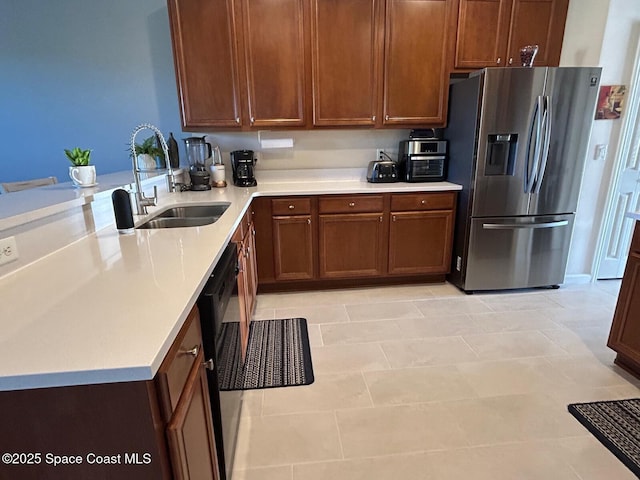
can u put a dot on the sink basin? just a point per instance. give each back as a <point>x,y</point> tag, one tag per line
<point>186,216</point>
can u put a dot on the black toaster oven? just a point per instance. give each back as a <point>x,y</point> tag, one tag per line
<point>423,160</point>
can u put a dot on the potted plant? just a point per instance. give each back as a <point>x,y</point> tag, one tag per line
<point>146,153</point>
<point>82,174</point>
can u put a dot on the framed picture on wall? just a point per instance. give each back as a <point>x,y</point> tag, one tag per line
<point>610,102</point>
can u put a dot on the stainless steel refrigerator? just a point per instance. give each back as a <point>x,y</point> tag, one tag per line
<point>517,143</point>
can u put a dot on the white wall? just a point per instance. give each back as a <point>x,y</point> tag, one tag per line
<point>598,32</point>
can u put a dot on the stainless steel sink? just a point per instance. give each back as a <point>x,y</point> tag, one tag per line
<point>186,216</point>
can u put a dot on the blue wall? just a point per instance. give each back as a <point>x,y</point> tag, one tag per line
<point>81,73</point>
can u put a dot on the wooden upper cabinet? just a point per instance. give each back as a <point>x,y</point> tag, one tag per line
<point>537,22</point>
<point>206,62</point>
<point>490,33</point>
<point>346,53</point>
<point>274,56</point>
<point>483,32</point>
<point>416,74</point>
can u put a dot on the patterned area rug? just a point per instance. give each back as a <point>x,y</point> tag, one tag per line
<point>278,355</point>
<point>616,424</point>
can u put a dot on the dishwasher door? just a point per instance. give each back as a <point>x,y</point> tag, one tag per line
<point>219,303</point>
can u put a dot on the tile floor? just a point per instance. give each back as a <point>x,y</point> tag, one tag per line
<point>424,382</point>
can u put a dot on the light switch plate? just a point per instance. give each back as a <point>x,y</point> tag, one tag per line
<point>600,151</point>
<point>8,250</point>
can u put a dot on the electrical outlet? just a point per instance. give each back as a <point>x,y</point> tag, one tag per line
<point>380,154</point>
<point>8,250</point>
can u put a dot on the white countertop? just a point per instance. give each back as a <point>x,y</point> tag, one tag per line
<point>107,307</point>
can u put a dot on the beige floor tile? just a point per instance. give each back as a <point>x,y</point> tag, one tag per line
<point>510,377</point>
<point>509,302</point>
<point>589,316</point>
<point>586,370</point>
<point>451,306</point>
<point>315,337</point>
<point>513,418</point>
<point>427,352</point>
<point>513,321</point>
<point>360,332</point>
<point>440,326</point>
<point>252,402</point>
<point>264,314</point>
<point>496,346</point>
<point>401,429</point>
<point>315,314</point>
<point>328,392</point>
<point>446,290</point>
<point>417,385</point>
<point>581,298</point>
<point>568,341</point>
<point>590,459</point>
<point>610,286</point>
<point>287,439</point>
<point>382,311</point>
<point>348,358</point>
<point>284,472</point>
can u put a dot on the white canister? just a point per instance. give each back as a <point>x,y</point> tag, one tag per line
<point>218,175</point>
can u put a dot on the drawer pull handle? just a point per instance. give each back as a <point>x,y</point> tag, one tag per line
<point>352,204</point>
<point>209,364</point>
<point>394,218</point>
<point>291,207</point>
<point>423,202</point>
<point>194,351</point>
<point>380,218</point>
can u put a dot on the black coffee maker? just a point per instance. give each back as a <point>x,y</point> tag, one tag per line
<point>242,162</point>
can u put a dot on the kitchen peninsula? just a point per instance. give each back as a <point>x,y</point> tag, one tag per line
<point>88,326</point>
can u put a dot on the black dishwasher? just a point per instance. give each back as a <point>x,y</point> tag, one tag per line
<point>218,304</point>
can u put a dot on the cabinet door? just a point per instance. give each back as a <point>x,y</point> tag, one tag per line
<point>416,75</point>
<point>275,62</point>
<point>625,330</point>
<point>206,62</point>
<point>537,22</point>
<point>293,247</point>
<point>420,242</point>
<point>346,48</point>
<point>189,434</point>
<point>351,245</point>
<point>483,32</point>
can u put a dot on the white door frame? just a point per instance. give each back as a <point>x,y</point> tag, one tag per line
<point>630,128</point>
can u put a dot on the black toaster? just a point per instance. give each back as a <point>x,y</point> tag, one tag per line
<point>382,171</point>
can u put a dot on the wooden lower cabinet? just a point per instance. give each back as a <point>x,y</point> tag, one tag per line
<point>624,337</point>
<point>420,242</point>
<point>344,240</point>
<point>351,245</point>
<point>160,429</point>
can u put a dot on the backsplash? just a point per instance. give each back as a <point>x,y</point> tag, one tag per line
<point>312,149</point>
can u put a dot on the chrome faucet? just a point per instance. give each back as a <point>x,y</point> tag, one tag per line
<point>142,201</point>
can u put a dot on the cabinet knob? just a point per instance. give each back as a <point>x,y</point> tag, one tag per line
<point>386,117</point>
<point>423,202</point>
<point>511,61</point>
<point>394,218</point>
<point>209,364</point>
<point>291,207</point>
<point>194,351</point>
<point>308,221</point>
<point>252,119</point>
<point>499,61</point>
<point>352,204</point>
<point>238,120</point>
<point>373,119</point>
<point>380,218</point>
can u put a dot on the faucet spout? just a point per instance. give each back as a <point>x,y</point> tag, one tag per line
<point>141,201</point>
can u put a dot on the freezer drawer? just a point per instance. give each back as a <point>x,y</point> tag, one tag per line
<point>517,252</point>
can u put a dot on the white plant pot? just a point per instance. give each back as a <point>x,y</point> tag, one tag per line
<point>146,162</point>
<point>83,176</point>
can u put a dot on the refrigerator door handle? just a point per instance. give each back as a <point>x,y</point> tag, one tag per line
<point>516,226</point>
<point>531,168</point>
<point>546,122</point>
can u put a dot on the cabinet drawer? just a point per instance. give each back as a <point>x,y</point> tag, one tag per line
<point>291,206</point>
<point>351,204</point>
<point>172,375</point>
<point>423,201</point>
<point>635,242</point>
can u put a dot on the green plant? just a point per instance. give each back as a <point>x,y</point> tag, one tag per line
<point>149,147</point>
<point>78,157</point>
